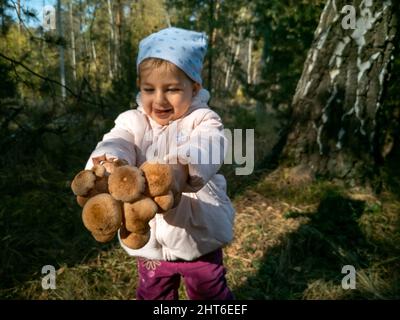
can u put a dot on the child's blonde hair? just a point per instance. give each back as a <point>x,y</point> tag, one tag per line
<point>156,63</point>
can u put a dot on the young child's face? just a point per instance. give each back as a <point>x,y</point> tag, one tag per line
<point>166,93</point>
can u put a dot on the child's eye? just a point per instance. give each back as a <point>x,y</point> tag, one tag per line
<point>148,89</point>
<point>173,89</point>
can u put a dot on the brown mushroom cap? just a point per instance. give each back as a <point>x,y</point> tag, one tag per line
<point>101,184</point>
<point>81,200</point>
<point>126,183</point>
<point>102,214</point>
<point>165,202</point>
<point>144,209</point>
<point>159,178</point>
<point>100,237</point>
<point>92,193</point>
<point>99,170</point>
<point>138,214</point>
<point>134,240</point>
<point>83,182</point>
<point>138,226</point>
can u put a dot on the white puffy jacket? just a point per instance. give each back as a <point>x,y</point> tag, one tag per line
<point>203,220</point>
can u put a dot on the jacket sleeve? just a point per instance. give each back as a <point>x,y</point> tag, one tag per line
<point>120,141</point>
<point>204,152</point>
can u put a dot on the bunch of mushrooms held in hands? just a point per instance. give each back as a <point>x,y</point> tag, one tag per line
<point>116,196</point>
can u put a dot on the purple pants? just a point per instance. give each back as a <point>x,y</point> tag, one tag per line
<point>204,278</point>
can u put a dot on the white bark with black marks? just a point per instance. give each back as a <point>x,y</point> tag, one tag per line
<point>61,50</point>
<point>340,91</point>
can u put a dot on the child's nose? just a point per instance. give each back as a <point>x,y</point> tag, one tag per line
<point>160,97</point>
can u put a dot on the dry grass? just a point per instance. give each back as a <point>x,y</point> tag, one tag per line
<point>291,241</point>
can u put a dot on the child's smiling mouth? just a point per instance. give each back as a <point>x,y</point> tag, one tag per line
<point>163,113</point>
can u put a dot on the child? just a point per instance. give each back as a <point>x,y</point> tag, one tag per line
<point>187,240</point>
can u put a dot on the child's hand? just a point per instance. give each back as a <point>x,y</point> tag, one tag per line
<point>109,163</point>
<point>181,176</point>
<point>118,196</point>
<point>88,183</point>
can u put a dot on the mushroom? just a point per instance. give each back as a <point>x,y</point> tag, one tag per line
<point>99,170</point>
<point>134,240</point>
<point>126,183</point>
<point>83,182</point>
<point>102,215</point>
<point>81,200</point>
<point>159,178</point>
<point>138,214</point>
<point>165,202</point>
<point>100,237</point>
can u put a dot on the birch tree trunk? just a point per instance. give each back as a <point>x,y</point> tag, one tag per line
<point>94,55</point>
<point>73,50</point>
<point>231,66</point>
<point>167,17</point>
<point>19,16</point>
<point>61,50</point>
<point>211,23</point>
<point>118,38</point>
<point>111,44</point>
<point>3,25</point>
<point>249,58</point>
<point>335,126</point>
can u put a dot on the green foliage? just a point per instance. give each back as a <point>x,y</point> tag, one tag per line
<point>43,147</point>
<point>281,31</point>
<point>8,85</point>
<point>286,29</point>
<point>45,140</point>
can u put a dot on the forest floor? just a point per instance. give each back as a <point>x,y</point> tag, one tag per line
<point>291,242</point>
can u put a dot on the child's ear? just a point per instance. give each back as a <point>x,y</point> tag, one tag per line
<point>137,83</point>
<point>196,88</point>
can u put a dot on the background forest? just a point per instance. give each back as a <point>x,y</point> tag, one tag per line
<point>62,88</point>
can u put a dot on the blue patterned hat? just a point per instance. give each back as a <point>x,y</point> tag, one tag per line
<point>184,48</point>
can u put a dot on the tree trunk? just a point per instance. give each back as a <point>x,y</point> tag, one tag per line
<point>19,16</point>
<point>118,36</point>
<point>211,23</point>
<point>73,50</point>
<point>167,17</point>
<point>2,17</point>
<point>335,120</point>
<point>61,50</point>
<point>231,66</point>
<point>111,46</point>
<point>94,55</point>
<point>249,59</point>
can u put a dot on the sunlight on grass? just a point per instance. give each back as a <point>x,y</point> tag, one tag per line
<point>291,242</point>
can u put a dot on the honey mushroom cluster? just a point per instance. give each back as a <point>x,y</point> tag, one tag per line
<point>116,196</point>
